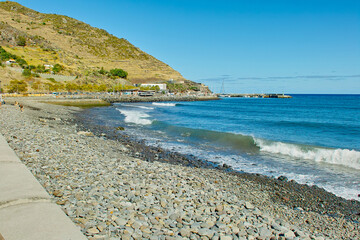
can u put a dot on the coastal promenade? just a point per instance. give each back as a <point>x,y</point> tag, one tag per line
<point>26,209</point>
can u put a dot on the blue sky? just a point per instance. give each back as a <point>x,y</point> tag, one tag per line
<point>289,46</point>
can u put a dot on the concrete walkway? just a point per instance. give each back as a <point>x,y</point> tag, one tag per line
<point>26,210</point>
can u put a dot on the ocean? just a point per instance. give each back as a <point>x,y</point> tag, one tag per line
<point>312,139</point>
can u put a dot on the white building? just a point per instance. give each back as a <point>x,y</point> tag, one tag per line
<point>9,62</point>
<point>162,86</point>
<point>47,66</point>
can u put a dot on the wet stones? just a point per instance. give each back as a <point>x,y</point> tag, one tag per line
<point>282,178</point>
<point>85,133</point>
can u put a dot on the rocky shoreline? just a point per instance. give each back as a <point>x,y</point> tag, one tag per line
<point>115,188</point>
<point>159,98</point>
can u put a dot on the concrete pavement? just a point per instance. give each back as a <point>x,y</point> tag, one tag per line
<point>26,209</point>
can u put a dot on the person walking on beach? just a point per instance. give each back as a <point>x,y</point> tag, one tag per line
<point>21,107</point>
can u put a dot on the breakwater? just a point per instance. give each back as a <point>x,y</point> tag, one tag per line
<point>255,95</point>
<point>159,98</point>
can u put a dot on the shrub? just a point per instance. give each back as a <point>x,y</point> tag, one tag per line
<point>31,67</point>
<point>22,63</point>
<point>40,69</point>
<point>4,55</point>
<point>176,87</point>
<point>57,68</point>
<point>156,88</point>
<point>17,86</point>
<point>103,72</point>
<point>102,88</point>
<point>117,72</point>
<point>54,87</point>
<point>36,85</point>
<point>71,87</point>
<point>26,72</point>
<point>21,41</point>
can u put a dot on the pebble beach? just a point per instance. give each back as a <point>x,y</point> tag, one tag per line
<point>107,189</point>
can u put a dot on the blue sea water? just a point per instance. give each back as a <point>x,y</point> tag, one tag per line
<point>313,139</point>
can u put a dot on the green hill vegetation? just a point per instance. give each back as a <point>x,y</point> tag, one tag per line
<point>49,43</point>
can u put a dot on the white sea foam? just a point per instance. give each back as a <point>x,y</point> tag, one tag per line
<point>345,157</point>
<point>240,163</point>
<point>143,107</point>
<point>136,106</point>
<point>137,117</point>
<point>164,104</point>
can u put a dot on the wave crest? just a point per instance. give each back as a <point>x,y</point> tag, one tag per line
<point>137,117</point>
<point>345,157</point>
<point>136,106</point>
<point>164,104</point>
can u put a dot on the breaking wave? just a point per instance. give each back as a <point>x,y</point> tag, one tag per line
<point>137,117</point>
<point>164,104</point>
<point>345,157</point>
<point>136,106</point>
<point>252,145</point>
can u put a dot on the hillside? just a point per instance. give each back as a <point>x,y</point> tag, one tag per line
<point>80,48</point>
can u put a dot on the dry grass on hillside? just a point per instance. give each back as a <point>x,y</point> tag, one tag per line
<point>76,45</point>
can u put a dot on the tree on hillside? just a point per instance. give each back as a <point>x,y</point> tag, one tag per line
<point>72,87</point>
<point>101,88</point>
<point>36,85</point>
<point>117,72</point>
<point>87,87</point>
<point>17,86</point>
<point>26,73</point>
<point>22,63</point>
<point>57,68</point>
<point>4,56</point>
<point>177,87</point>
<point>54,87</point>
<point>102,71</point>
<point>21,41</point>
